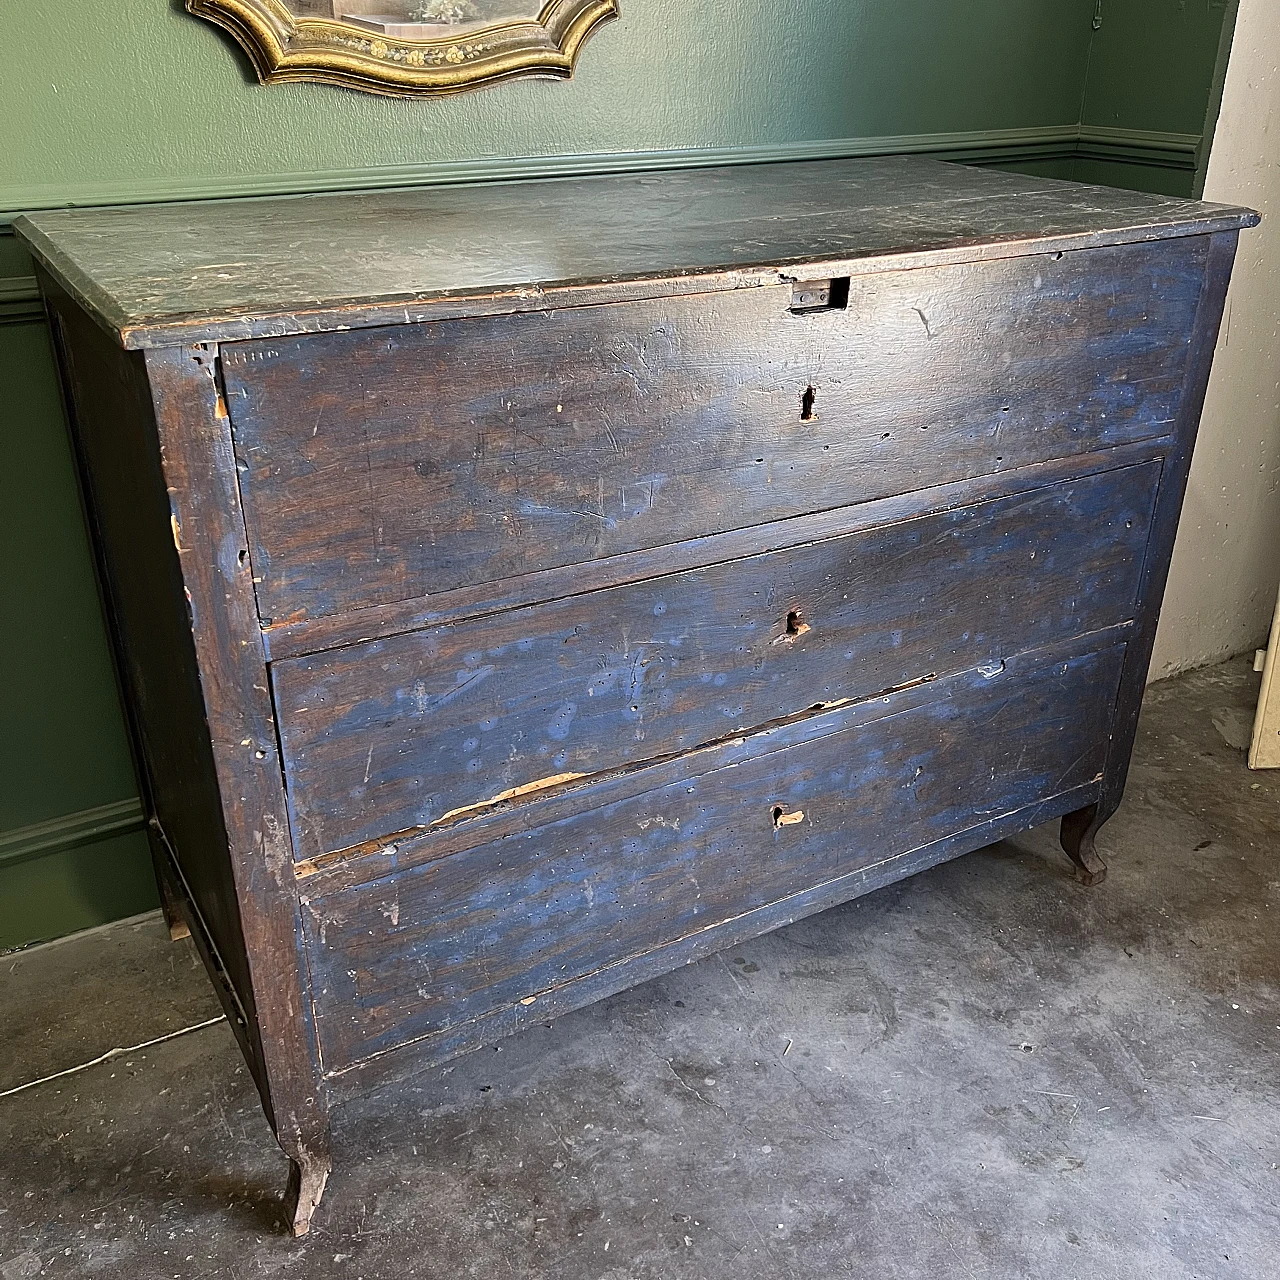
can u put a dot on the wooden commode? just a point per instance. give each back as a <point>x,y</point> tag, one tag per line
<point>522,590</point>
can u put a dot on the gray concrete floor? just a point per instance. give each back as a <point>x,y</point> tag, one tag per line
<point>986,1070</point>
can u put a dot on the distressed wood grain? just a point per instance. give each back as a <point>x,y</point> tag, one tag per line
<point>392,464</point>
<point>392,735</point>
<point>407,1060</point>
<point>297,638</point>
<point>218,270</point>
<point>207,531</point>
<point>411,954</point>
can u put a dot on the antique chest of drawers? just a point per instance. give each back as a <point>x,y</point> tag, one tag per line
<point>522,590</point>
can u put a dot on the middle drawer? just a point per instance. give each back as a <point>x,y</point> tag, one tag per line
<point>436,726</point>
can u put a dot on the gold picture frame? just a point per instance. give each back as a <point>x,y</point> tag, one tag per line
<point>369,45</point>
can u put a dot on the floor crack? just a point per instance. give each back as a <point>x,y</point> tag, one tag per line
<point>112,1054</point>
<point>684,1084</point>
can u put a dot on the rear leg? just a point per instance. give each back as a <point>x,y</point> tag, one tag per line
<point>1078,831</point>
<point>170,901</point>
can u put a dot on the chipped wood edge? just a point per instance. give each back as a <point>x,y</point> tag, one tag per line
<point>194,437</point>
<point>138,332</point>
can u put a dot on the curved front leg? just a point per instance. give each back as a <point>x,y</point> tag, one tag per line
<point>309,1167</point>
<point>1078,831</point>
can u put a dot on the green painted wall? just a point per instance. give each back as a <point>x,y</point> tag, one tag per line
<point>1129,64</point>
<point>134,100</point>
<point>106,96</point>
<point>1156,65</point>
<point>64,746</point>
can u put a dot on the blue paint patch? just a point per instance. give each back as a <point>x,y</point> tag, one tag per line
<point>560,722</point>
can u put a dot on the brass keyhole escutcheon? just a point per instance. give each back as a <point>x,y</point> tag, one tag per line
<point>782,817</point>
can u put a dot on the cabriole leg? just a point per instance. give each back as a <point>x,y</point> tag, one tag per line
<point>1078,831</point>
<point>309,1168</point>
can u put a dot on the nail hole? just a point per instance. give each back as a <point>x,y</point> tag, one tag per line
<point>796,625</point>
<point>243,557</point>
<point>778,811</point>
<point>806,404</point>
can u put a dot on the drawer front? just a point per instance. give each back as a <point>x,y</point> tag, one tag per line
<point>440,944</point>
<point>387,736</point>
<point>383,465</point>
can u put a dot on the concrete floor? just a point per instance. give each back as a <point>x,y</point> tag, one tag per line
<point>986,1070</point>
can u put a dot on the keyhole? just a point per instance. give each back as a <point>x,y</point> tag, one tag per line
<point>806,405</point>
<point>796,625</point>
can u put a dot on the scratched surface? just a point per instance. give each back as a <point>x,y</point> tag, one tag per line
<point>219,269</point>
<point>391,735</point>
<point>411,954</point>
<point>389,465</point>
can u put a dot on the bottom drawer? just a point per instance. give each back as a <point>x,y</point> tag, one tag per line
<point>446,942</point>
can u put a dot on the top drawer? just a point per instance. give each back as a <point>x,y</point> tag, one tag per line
<point>386,464</point>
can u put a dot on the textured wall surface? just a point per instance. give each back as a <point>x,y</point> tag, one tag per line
<point>1226,564</point>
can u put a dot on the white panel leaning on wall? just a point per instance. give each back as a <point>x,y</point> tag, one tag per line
<point>1264,752</point>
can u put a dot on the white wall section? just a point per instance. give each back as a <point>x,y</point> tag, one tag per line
<point>1226,563</point>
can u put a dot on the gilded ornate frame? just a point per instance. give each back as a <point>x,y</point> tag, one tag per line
<point>285,46</point>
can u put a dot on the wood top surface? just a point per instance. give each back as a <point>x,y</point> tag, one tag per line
<point>224,270</point>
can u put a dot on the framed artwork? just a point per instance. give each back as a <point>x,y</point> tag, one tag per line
<point>408,48</point>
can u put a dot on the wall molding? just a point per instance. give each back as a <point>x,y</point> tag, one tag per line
<point>19,300</point>
<point>71,831</point>
<point>981,146</point>
<point>1139,146</point>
